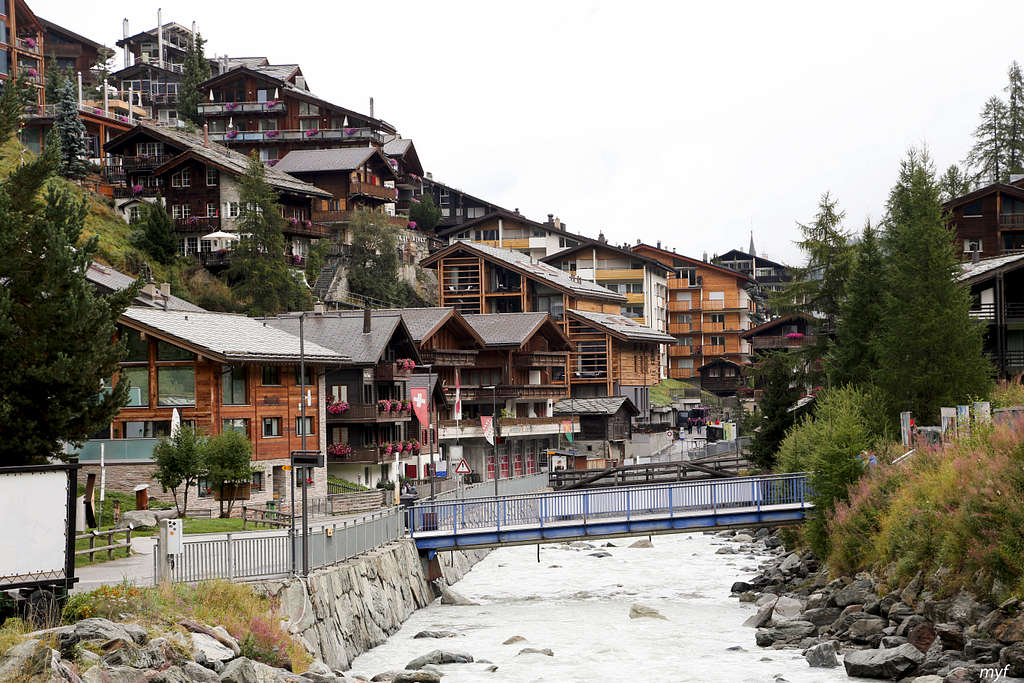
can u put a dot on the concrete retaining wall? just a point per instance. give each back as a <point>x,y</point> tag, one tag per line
<point>342,611</point>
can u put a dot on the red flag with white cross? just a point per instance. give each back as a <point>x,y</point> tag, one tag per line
<point>419,405</point>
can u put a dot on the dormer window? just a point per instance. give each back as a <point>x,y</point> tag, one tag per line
<point>182,178</point>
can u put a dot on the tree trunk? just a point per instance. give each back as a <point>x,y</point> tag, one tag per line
<point>177,507</point>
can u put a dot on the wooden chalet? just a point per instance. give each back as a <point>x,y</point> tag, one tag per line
<point>791,331</point>
<point>708,308</point>
<point>989,221</point>
<point>401,155</point>
<point>154,63</point>
<point>270,109</point>
<point>511,230</point>
<point>997,290</point>
<point>25,37</point>
<point>216,372</point>
<point>71,52</point>
<point>606,430</point>
<point>721,376</point>
<point>369,411</point>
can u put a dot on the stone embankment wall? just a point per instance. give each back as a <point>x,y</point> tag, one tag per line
<point>344,610</point>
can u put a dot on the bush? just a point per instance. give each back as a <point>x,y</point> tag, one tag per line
<point>1008,393</point>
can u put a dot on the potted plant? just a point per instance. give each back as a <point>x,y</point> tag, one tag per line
<point>136,189</point>
<point>228,106</point>
<point>337,407</point>
<point>405,364</point>
<point>270,134</point>
<point>383,405</point>
<point>416,446</point>
<point>231,134</point>
<point>270,104</point>
<point>311,132</point>
<point>406,404</point>
<point>396,406</point>
<point>795,335</point>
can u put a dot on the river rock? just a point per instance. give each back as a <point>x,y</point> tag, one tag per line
<point>864,630</point>
<point>786,609</point>
<point>951,635</point>
<point>742,538</point>
<point>765,599</point>
<point>761,617</point>
<point>772,542</point>
<point>822,656</point>
<point>514,639</point>
<point>740,587</point>
<point>1013,656</point>
<point>1010,631</point>
<point>638,611</point>
<point>642,543</point>
<point>857,593</point>
<point>439,657</point>
<point>600,553</point>
<point>436,634</point>
<point>982,650</point>
<point>965,610</point>
<point>245,670</point>
<point>791,562</point>
<point>725,550</point>
<point>421,676</point>
<point>534,651</point>
<point>452,597</point>
<point>209,651</point>
<point>786,632</point>
<point>491,669</point>
<point>922,636</point>
<point>95,628</point>
<point>889,663</point>
<point>821,616</point>
<point>930,678</point>
<point>386,676</point>
<point>101,673</point>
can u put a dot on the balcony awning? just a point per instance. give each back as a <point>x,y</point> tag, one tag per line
<point>220,235</point>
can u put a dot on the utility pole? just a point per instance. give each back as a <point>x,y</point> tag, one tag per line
<point>430,420</point>
<point>494,436</point>
<point>302,419</point>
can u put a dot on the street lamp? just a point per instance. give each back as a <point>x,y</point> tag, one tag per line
<point>494,434</point>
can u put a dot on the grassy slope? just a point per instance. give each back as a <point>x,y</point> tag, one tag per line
<point>660,394</point>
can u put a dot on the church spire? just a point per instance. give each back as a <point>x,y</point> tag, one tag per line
<point>752,251</point>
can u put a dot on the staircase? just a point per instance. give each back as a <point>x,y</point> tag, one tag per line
<point>322,285</point>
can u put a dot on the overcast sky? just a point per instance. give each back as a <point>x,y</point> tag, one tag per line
<point>690,123</point>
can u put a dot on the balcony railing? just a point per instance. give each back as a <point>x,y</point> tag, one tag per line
<point>268,107</point>
<point>312,136</point>
<point>540,359</point>
<point>476,393</point>
<point>782,341</point>
<point>676,306</point>
<point>1013,311</point>
<point>129,192</point>
<point>144,162</point>
<point>366,412</point>
<point>681,373</point>
<point>681,283</point>
<point>449,358</point>
<point>711,350</point>
<point>304,227</point>
<point>348,216</point>
<point>367,454</point>
<point>680,350</point>
<point>203,224</point>
<point>714,327</point>
<point>30,45</point>
<point>125,450</point>
<point>371,190</point>
<point>390,372</point>
<point>507,427</point>
<point>1011,220</point>
<point>682,328</point>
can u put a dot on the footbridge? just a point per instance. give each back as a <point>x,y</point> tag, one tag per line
<point>558,516</point>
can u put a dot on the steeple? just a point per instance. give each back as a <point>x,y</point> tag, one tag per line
<point>752,251</point>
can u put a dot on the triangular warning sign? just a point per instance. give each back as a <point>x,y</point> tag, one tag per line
<point>463,468</point>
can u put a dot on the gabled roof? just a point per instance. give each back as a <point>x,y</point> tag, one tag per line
<point>423,323</point>
<point>514,329</point>
<point>597,244</point>
<point>622,327</point>
<point>737,255</point>
<point>973,272</point>
<point>235,62</point>
<point>151,33</point>
<point>720,361</point>
<point>764,327</point>
<point>402,148</point>
<point>50,26</point>
<point>692,261</point>
<point>342,331</point>
<point>525,265</point>
<point>111,280</point>
<point>341,159</point>
<point>1007,188</point>
<point>498,212</point>
<point>605,405</point>
<point>227,337</point>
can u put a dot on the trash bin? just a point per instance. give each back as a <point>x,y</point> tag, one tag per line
<point>142,497</point>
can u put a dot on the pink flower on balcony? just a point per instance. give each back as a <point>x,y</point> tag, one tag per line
<point>32,72</point>
<point>310,133</point>
<point>795,335</point>
<point>293,220</point>
<point>414,200</point>
<point>231,134</point>
<point>31,42</point>
<point>229,106</point>
<point>308,224</point>
<point>350,131</point>
<point>136,189</point>
<point>412,225</point>
<point>270,134</point>
<point>270,104</point>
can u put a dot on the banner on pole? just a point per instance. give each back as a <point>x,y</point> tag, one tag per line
<point>419,405</point>
<point>457,413</point>
<point>487,423</point>
<point>567,429</point>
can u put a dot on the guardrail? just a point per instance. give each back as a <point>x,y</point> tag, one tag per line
<point>110,547</point>
<point>527,483</point>
<point>538,510</point>
<point>254,555</point>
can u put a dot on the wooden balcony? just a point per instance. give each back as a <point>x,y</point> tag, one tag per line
<point>449,358</point>
<point>1011,220</point>
<point>679,350</point>
<point>200,224</point>
<point>305,229</point>
<point>29,45</point>
<point>714,327</point>
<point>709,350</point>
<point>681,373</point>
<point>348,216</point>
<point>144,162</point>
<point>683,306</point>
<point>214,108</point>
<point>634,297</point>
<point>310,136</point>
<point>505,391</point>
<point>681,283</point>
<point>782,341</point>
<point>364,412</point>
<point>369,454</point>
<point>713,305</point>
<point>507,427</point>
<point>619,274</point>
<point>370,190</point>
<point>390,372</point>
<point>540,359</point>
<point>683,328</point>
<point>721,384</point>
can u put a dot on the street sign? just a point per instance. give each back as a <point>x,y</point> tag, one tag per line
<point>307,459</point>
<point>463,468</point>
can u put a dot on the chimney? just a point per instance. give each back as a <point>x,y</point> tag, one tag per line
<point>659,244</point>
<point>601,238</point>
<point>165,289</point>
<point>160,37</point>
<point>367,318</point>
<point>371,107</point>
<point>975,256</point>
<point>127,52</point>
<point>206,135</point>
<point>551,218</point>
<point>318,308</point>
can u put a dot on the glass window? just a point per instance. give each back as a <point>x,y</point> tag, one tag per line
<point>298,426</point>
<point>176,386</point>
<point>257,480</point>
<point>211,176</point>
<point>309,376</point>
<point>211,209</point>
<point>233,385</point>
<point>271,426</point>
<point>138,385</point>
<point>138,348</point>
<point>149,429</point>
<point>238,424</point>
<point>271,375</point>
<point>165,351</point>
<point>973,208</point>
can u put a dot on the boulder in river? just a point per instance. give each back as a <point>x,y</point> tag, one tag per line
<point>889,663</point>
<point>451,597</point>
<point>436,634</point>
<point>638,611</point>
<point>421,676</point>
<point>822,656</point>
<point>600,553</point>
<point>439,657</point>
<point>534,651</point>
<point>761,617</point>
<point>514,639</point>
<point>786,609</point>
<point>642,543</point>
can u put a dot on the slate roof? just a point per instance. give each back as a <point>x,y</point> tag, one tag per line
<point>251,62</point>
<point>342,159</point>
<point>506,329</point>
<point>419,380</point>
<point>342,331</point>
<point>230,337</point>
<point>397,147</point>
<point>607,405</point>
<point>598,244</point>
<point>624,328</point>
<point>971,270</point>
<point>112,280</point>
<point>536,269</point>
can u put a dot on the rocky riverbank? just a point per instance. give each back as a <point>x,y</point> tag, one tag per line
<point>912,634</point>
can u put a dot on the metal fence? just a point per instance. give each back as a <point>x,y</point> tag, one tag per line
<point>527,483</point>
<point>628,501</point>
<point>268,554</point>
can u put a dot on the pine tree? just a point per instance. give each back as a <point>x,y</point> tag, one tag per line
<point>71,133</point>
<point>852,358</point>
<point>55,329</point>
<point>425,214</point>
<point>258,268</point>
<point>774,375</point>
<point>954,183</point>
<point>373,267</point>
<point>987,158</point>
<point>929,349</point>
<point>1015,119</point>
<point>55,78</point>
<point>154,233</point>
<point>14,97</point>
<point>195,72</point>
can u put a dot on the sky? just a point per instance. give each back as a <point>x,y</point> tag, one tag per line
<point>689,123</point>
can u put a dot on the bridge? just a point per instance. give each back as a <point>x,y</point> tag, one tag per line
<point>604,513</point>
<point>650,473</point>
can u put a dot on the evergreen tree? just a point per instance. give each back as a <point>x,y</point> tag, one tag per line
<point>71,133</point>
<point>154,233</point>
<point>14,97</point>
<point>180,461</point>
<point>425,214</point>
<point>100,71</point>
<point>954,183</point>
<point>987,158</point>
<point>1014,119</point>
<point>258,268</point>
<point>195,71</point>
<point>774,375</point>
<point>55,78</point>
<point>929,349</point>
<point>373,267</point>
<point>315,260</point>
<point>55,329</point>
<point>852,358</point>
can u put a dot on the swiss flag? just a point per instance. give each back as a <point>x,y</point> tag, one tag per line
<point>419,405</point>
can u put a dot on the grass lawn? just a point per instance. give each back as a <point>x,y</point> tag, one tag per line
<point>660,393</point>
<point>212,526</point>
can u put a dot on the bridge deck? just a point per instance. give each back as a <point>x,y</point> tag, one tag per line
<point>561,516</point>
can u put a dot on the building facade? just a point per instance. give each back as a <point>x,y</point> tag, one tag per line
<point>989,222</point>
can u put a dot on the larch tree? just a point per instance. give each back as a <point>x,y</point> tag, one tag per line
<point>71,134</point>
<point>954,183</point>
<point>195,71</point>
<point>928,347</point>
<point>1014,119</point>
<point>56,331</point>
<point>987,158</point>
<point>853,358</point>
<point>775,376</point>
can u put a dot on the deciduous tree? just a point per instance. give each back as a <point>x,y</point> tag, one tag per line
<point>228,462</point>
<point>180,461</point>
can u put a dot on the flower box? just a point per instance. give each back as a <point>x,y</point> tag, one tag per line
<point>270,134</point>
<point>231,134</point>
<point>795,335</point>
<point>311,133</point>
<point>228,106</point>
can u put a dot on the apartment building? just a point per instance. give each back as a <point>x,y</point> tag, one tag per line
<point>709,306</point>
<point>989,222</point>
<point>511,230</point>
<point>997,288</point>
<point>23,36</point>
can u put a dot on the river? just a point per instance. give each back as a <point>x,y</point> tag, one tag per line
<point>578,606</point>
